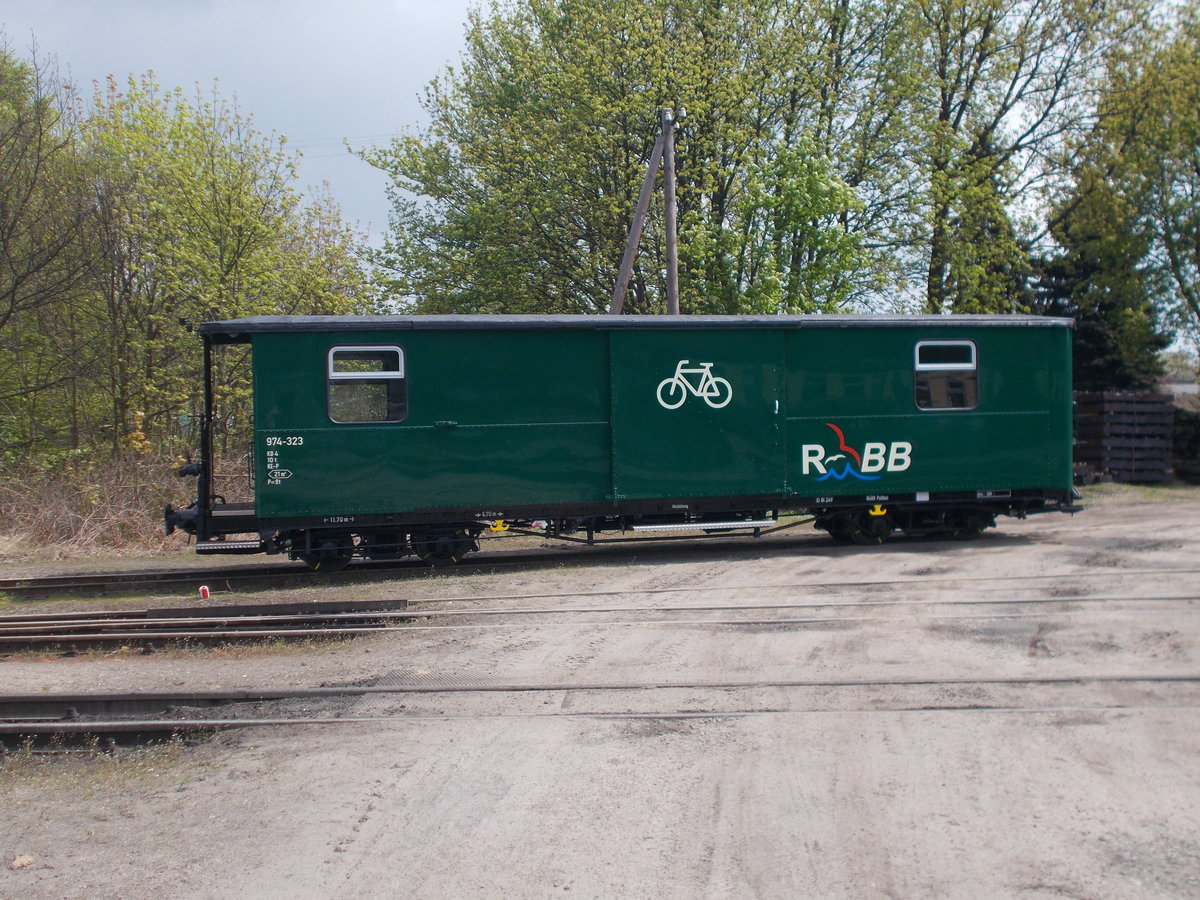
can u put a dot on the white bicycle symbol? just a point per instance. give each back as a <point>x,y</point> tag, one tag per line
<point>712,389</point>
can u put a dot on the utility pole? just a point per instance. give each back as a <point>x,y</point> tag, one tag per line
<point>662,154</point>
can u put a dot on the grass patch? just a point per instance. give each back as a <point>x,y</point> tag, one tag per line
<point>1113,494</point>
<point>87,770</point>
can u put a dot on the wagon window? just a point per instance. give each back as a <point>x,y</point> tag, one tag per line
<point>946,375</point>
<point>367,384</point>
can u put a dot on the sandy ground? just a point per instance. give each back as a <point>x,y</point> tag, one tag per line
<point>762,765</point>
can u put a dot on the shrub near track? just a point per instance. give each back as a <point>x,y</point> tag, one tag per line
<point>79,506</point>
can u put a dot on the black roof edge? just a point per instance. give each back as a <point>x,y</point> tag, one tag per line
<point>238,330</point>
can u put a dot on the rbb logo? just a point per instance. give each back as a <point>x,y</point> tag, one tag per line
<point>895,457</point>
<point>847,462</point>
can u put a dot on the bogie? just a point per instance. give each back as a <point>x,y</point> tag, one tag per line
<point>442,546</point>
<point>327,552</point>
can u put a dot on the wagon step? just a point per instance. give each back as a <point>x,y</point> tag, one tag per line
<point>230,546</point>
<point>709,526</point>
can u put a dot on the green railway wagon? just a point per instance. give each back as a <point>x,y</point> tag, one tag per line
<point>384,436</point>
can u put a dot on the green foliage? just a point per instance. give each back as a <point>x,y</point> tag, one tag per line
<point>978,263</point>
<point>163,210</point>
<point>1129,228</point>
<point>40,211</point>
<point>519,196</point>
<point>835,154</point>
<point>1154,105</point>
<point>1004,84</point>
<point>1097,279</point>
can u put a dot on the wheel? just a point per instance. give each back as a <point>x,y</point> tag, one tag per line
<point>868,530</point>
<point>671,393</point>
<point>967,526</point>
<point>839,529</point>
<point>330,554</point>
<point>441,547</point>
<point>722,393</point>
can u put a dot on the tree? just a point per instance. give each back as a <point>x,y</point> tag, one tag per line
<point>1130,226</point>
<point>851,90</point>
<point>1162,157</point>
<point>1098,278</point>
<point>41,213</point>
<point>43,218</point>
<point>518,196</point>
<point>1008,83</point>
<point>198,219</point>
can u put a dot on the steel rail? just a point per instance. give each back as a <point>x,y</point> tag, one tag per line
<point>829,586</point>
<point>109,583</point>
<point>51,626</point>
<point>103,584</point>
<point>57,705</point>
<point>201,625</point>
<point>323,607</point>
<point>198,624</point>
<point>224,629</point>
<point>124,582</point>
<point>160,729</point>
<point>24,721</point>
<point>13,642</point>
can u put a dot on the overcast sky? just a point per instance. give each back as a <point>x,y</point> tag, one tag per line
<point>316,71</point>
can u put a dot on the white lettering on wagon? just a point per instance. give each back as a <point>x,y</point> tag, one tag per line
<point>847,462</point>
<point>276,472</point>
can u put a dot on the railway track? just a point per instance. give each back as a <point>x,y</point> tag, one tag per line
<point>195,625</point>
<point>228,623</point>
<point>260,576</point>
<point>263,576</point>
<point>65,720</point>
<point>154,628</point>
<point>230,578</point>
<point>62,720</point>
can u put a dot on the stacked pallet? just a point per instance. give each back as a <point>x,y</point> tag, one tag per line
<point>1187,444</point>
<point>1128,435</point>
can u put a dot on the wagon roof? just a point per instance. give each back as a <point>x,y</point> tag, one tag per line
<point>237,329</point>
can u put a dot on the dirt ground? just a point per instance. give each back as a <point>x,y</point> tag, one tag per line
<point>1016,716</point>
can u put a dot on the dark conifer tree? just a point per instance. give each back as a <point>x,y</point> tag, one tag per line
<point>1098,279</point>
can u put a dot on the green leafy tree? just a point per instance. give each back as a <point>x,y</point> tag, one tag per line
<point>41,213</point>
<point>199,219</point>
<point>850,91</point>
<point>518,197</point>
<point>1006,84</point>
<point>1159,128</point>
<point>43,218</point>
<point>1130,226</point>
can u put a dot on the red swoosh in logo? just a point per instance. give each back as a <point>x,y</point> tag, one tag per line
<point>842,445</point>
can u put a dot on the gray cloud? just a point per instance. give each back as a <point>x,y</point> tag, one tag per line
<point>316,71</point>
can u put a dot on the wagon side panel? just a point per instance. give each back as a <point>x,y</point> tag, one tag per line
<point>489,418</point>
<point>864,418</point>
<point>697,412</point>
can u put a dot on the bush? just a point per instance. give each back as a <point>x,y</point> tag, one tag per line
<point>81,503</point>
